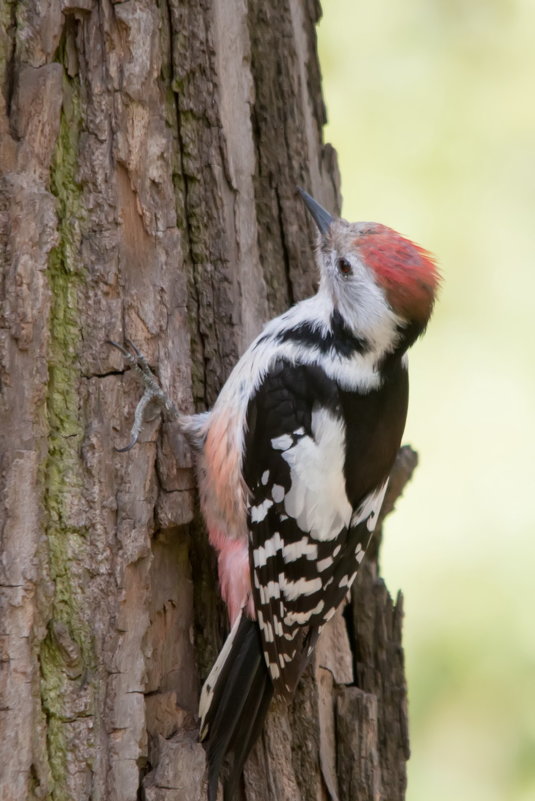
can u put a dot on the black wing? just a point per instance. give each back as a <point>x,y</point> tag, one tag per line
<point>307,536</point>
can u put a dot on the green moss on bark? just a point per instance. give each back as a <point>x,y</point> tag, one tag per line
<point>66,653</point>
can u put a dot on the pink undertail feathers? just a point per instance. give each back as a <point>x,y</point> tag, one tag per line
<point>234,573</point>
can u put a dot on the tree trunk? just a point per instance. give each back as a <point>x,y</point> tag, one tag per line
<point>149,156</point>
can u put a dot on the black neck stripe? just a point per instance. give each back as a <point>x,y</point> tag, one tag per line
<point>339,339</point>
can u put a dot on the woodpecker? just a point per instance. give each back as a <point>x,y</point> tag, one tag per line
<point>293,462</point>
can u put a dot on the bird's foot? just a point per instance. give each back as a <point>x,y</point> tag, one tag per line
<point>153,391</point>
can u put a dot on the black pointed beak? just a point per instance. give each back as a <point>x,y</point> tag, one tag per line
<point>322,218</point>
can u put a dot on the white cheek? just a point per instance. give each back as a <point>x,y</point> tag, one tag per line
<point>364,305</point>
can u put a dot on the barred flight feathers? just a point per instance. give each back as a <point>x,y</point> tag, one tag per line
<point>307,537</point>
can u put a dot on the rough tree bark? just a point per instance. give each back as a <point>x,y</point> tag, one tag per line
<point>149,157</point>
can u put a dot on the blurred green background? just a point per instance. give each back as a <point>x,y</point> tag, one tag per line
<point>431,107</point>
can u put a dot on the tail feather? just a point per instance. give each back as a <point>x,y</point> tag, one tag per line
<point>234,698</point>
<point>241,744</point>
<point>234,703</point>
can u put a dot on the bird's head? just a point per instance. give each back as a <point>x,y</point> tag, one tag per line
<point>376,278</point>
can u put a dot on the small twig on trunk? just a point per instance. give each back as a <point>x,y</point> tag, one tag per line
<point>404,467</point>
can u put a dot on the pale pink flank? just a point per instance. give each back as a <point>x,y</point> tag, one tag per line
<point>234,573</point>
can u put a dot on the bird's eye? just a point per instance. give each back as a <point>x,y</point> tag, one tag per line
<point>344,267</point>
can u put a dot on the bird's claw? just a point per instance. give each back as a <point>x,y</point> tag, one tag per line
<point>132,354</point>
<point>153,390</point>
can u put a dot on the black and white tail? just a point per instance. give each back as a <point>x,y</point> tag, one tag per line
<point>234,702</point>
